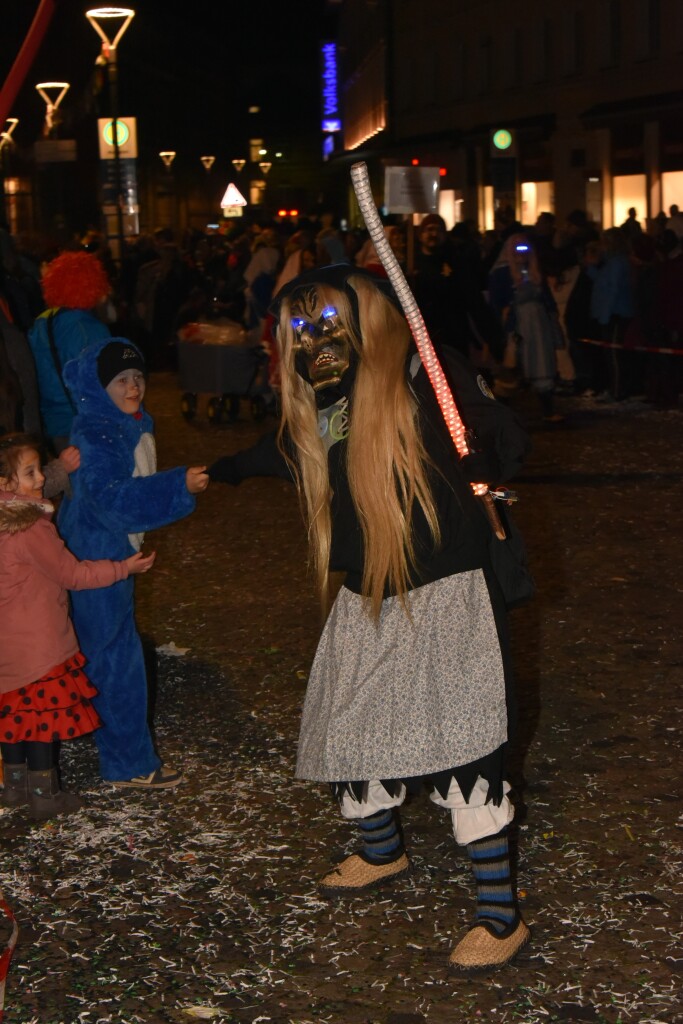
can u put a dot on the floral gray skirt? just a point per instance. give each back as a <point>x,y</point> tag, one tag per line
<point>405,696</point>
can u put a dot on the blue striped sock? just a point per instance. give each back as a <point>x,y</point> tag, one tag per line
<point>381,838</point>
<point>490,859</point>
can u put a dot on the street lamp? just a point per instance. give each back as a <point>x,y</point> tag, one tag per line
<point>6,135</point>
<point>207,162</point>
<point>5,142</point>
<point>166,191</point>
<point>102,18</point>
<point>51,103</point>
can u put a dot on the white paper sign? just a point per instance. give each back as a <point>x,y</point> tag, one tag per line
<point>411,189</point>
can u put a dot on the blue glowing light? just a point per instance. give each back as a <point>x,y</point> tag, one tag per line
<point>330,93</point>
<point>329,312</point>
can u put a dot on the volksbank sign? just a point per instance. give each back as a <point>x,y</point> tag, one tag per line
<point>330,91</point>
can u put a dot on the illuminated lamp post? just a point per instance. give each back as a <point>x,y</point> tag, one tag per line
<point>53,93</point>
<point>101,18</point>
<point>5,143</point>
<point>264,166</point>
<point>207,164</point>
<point>239,164</point>
<point>6,134</point>
<point>51,103</point>
<point>167,156</point>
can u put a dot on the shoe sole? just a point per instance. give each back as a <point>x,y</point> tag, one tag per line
<point>464,970</point>
<point>148,785</point>
<point>357,890</point>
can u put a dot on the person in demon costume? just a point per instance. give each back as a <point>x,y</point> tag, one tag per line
<point>410,687</point>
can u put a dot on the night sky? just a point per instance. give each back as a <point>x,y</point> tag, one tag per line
<point>188,70</point>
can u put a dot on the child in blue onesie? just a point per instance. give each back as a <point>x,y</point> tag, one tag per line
<point>117,496</point>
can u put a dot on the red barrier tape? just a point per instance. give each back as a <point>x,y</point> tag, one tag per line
<point>633,348</point>
<point>6,957</point>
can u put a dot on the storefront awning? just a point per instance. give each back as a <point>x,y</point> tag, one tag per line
<point>648,108</point>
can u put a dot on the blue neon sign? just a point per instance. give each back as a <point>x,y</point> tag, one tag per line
<point>330,92</point>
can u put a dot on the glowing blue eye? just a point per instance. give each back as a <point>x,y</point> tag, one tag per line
<point>298,323</point>
<point>329,312</point>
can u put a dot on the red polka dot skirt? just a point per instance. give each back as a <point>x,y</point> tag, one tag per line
<point>55,707</point>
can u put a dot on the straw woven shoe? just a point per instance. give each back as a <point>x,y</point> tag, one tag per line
<point>484,949</point>
<point>356,875</point>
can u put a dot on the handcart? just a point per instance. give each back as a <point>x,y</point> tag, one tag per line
<point>214,358</point>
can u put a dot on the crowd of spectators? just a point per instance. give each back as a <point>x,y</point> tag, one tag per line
<point>559,306</point>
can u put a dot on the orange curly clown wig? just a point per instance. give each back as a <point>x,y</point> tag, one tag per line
<point>75,280</point>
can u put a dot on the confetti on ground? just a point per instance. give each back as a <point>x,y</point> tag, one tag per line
<point>172,651</point>
<point>146,906</point>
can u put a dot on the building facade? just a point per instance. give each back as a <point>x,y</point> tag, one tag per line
<point>588,92</point>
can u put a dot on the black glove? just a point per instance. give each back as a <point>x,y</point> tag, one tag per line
<point>224,471</point>
<point>480,468</point>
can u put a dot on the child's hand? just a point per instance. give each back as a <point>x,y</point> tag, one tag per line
<point>70,458</point>
<point>196,479</point>
<point>138,563</point>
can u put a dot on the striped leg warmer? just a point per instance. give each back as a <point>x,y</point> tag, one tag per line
<point>490,858</point>
<point>381,838</point>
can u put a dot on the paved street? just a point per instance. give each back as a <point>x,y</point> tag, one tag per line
<point>202,904</point>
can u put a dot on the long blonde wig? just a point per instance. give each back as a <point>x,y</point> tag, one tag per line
<point>386,460</point>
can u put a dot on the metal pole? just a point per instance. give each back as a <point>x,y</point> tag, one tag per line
<point>114,102</point>
<point>3,197</point>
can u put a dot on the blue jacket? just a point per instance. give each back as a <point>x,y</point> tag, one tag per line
<point>108,503</point>
<point>612,289</point>
<point>73,330</point>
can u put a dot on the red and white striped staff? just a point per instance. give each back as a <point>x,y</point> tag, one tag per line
<point>418,328</point>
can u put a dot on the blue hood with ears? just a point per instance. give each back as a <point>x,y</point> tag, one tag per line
<point>91,399</point>
<point>109,501</point>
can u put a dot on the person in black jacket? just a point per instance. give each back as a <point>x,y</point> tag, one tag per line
<point>410,686</point>
<point>448,288</point>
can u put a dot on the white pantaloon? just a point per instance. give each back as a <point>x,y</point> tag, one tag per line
<point>471,821</point>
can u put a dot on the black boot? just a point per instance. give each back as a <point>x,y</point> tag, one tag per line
<point>14,792</point>
<point>46,799</point>
<point>547,403</point>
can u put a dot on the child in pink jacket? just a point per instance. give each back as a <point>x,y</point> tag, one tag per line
<point>44,693</point>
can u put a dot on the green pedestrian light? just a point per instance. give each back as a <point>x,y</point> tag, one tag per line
<point>502,139</point>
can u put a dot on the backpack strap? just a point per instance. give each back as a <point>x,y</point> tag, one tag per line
<point>55,354</point>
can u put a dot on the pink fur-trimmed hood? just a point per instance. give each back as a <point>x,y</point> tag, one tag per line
<point>18,513</point>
